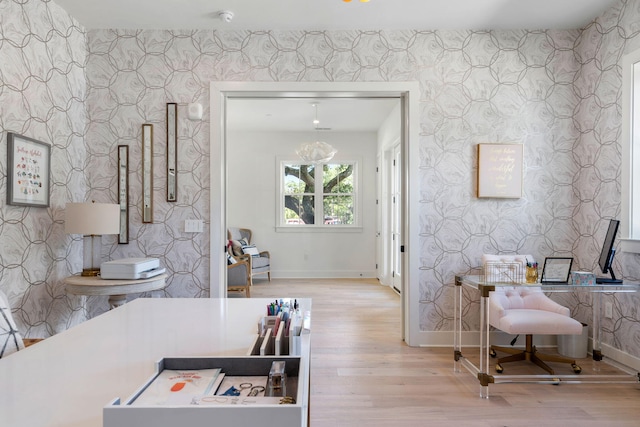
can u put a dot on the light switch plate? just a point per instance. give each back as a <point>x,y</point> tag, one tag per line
<point>193,226</point>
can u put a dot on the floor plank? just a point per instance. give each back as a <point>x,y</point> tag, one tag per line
<point>362,373</point>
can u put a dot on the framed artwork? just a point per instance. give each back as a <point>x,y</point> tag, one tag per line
<point>500,170</point>
<point>28,171</point>
<point>123,192</point>
<point>147,173</point>
<point>172,152</point>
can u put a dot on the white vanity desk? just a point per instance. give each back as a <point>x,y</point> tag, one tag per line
<point>68,379</point>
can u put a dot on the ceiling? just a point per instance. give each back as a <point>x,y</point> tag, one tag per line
<point>296,115</point>
<point>336,15</point>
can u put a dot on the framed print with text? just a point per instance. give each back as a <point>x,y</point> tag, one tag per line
<point>28,171</point>
<point>500,170</point>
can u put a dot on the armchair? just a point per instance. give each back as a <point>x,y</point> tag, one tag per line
<point>238,277</point>
<point>527,310</point>
<point>259,261</point>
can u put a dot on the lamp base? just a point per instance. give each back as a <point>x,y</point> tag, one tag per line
<point>90,272</point>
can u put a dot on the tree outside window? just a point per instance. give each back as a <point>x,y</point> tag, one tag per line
<point>322,194</point>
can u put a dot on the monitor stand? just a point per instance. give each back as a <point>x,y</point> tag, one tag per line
<point>608,281</point>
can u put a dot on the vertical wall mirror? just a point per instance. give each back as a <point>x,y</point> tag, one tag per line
<point>172,157</point>
<point>123,192</point>
<point>147,173</point>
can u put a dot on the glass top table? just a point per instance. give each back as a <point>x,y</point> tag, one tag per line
<point>481,370</point>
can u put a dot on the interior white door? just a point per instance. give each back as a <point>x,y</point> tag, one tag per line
<point>396,218</point>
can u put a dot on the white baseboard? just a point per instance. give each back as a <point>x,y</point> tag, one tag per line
<point>619,356</point>
<point>324,274</point>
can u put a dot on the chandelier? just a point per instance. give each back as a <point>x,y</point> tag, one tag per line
<point>318,151</point>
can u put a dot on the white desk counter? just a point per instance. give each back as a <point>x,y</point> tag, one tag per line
<point>68,379</point>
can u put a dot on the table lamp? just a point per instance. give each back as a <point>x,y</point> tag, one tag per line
<point>92,220</point>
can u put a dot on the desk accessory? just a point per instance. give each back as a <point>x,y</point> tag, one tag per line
<point>556,270</point>
<point>583,278</point>
<point>131,268</point>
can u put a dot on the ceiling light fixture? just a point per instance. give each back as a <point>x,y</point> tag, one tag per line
<point>361,1</point>
<point>318,151</point>
<point>225,15</point>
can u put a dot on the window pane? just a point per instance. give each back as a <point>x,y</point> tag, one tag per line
<point>299,209</point>
<point>338,210</point>
<point>337,178</point>
<point>299,179</point>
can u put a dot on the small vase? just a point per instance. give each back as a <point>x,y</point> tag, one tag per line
<point>531,274</point>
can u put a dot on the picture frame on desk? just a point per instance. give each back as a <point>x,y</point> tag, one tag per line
<point>556,270</point>
<point>28,171</point>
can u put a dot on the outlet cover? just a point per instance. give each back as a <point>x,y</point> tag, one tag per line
<point>608,310</point>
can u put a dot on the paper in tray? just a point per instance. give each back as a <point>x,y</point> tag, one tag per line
<point>172,386</point>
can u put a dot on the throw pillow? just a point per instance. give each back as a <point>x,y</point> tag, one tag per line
<point>231,260</point>
<point>250,250</point>
<point>236,247</point>
<point>10,338</point>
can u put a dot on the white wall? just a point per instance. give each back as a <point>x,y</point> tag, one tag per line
<point>388,137</point>
<point>389,132</point>
<point>251,202</point>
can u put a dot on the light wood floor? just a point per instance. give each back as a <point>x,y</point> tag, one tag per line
<point>362,374</point>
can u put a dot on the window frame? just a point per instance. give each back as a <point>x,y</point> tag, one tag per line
<point>630,144</point>
<point>319,194</point>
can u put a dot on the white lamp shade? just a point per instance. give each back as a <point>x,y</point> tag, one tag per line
<point>316,152</point>
<point>92,218</point>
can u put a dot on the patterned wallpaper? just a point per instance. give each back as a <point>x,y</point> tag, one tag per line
<point>557,92</point>
<point>42,96</point>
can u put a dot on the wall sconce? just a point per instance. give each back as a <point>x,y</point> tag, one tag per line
<point>194,111</point>
<point>92,220</point>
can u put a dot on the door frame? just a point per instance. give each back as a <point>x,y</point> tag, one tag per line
<point>408,92</point>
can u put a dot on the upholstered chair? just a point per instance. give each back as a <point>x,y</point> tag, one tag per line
<point>239,277</point>
<point>241,244</point>
<point>526,310</point>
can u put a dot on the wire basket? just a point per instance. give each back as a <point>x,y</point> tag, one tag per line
<point>504,272</point>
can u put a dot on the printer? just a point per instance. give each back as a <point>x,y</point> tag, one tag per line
<point>131,268</point>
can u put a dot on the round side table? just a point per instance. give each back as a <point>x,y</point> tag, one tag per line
<point>116,289</point>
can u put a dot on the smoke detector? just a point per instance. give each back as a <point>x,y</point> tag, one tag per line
<point>225,15</point>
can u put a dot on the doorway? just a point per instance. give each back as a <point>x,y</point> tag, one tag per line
<point>222,92</point>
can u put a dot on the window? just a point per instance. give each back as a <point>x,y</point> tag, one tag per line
<point>630,227</point>
<point>318,195</point>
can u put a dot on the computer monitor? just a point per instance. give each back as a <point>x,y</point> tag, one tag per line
<point>607,253</point>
